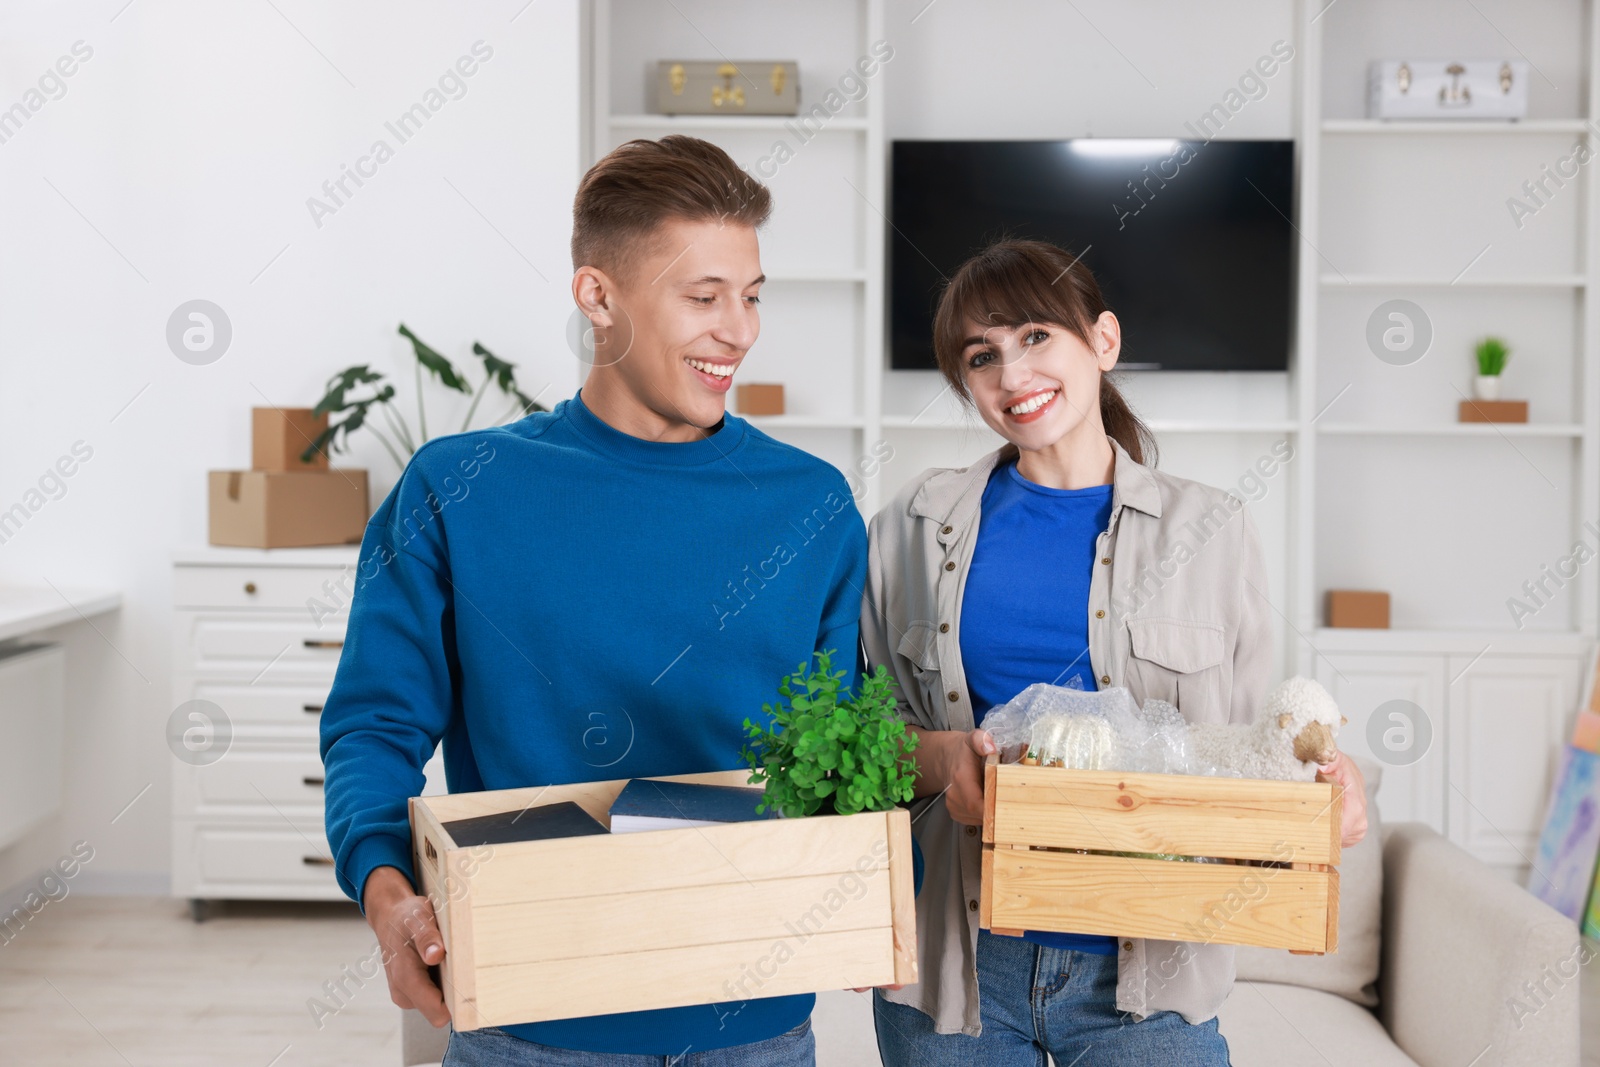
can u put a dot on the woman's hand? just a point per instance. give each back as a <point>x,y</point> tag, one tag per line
<point>950,762</point>
<point>1344,773</point>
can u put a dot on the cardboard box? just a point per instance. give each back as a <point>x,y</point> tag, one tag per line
<point>1493,411</point>
<point>1358,609</point>
<point>759,399</point>
<point>577,926</point>
<point>288,509</point>
<point>1052,857</point>
<point>279,435</point>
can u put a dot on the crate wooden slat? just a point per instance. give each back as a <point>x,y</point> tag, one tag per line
<point>1231,818</point>
<point>1173,901</point>
<point>1031,880</point>
<point>538,930</point>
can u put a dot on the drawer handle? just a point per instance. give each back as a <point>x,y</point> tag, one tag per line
<point>316,861</point>
<point>311,709</point>
<point>310,643</point>
<point>313,779</point>
<point>250,587</point>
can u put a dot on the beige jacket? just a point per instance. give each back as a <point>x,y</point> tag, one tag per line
<point>1177,610</point>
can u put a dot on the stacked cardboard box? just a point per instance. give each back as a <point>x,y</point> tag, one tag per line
<point>282,502</point>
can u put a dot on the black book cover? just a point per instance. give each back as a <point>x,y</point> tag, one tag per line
<point>542,823</point>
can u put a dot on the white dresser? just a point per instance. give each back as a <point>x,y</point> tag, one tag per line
<point>257,637</point>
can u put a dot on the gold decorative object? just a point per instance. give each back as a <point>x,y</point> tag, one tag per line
<point>727,92</point>
<point>727,87</point>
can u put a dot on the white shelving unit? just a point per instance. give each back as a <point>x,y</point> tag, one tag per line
<point>1391,492</point>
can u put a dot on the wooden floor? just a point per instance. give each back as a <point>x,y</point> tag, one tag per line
<point>133,982</point>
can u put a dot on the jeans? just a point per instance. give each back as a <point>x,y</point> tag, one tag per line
<point>492,1047</point>
<point>1036,1000</point>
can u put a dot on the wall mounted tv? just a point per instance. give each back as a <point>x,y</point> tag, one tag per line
<point>1191,240</point>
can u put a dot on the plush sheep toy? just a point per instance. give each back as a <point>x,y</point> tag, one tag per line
<point>1294,733</point>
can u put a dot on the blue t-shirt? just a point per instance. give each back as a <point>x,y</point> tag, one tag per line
<point>1025,608</point>
<point>561,602</point>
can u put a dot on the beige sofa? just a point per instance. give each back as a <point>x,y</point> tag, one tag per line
<point>1442,962</point>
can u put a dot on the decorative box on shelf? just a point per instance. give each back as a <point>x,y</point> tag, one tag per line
<point>1493,411</point>
<point>1074,852</point>
<point>718,87</point>
<point>1446,89</point>
<point>759,398</point>
<point>575,926</point>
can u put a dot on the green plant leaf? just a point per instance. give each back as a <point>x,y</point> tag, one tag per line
<point>440,367</point>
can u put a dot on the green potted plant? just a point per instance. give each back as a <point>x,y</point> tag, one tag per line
<point>349,408</point>
<point>824,750</point>
<point>1492,354</point>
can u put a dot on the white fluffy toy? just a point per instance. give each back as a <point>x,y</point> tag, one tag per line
<point>1293,734</point>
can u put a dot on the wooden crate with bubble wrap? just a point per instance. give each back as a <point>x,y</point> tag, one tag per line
<point>1071,851</point>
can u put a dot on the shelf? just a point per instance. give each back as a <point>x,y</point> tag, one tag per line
<point>802,422</point>
<point>933,422</point>
<point>1463,642</point>
<point>1396,281</point>
<point>1490,127</point>
<point>734,122</point>
<point>1454,429</point>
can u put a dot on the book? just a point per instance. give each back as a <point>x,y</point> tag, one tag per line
<point>1563,869</point>
<point>647,804</point>
<point>542,823</point>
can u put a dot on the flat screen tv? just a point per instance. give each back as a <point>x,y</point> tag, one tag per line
<point>1191,241</point>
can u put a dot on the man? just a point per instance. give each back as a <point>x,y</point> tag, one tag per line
<point>602,591</point>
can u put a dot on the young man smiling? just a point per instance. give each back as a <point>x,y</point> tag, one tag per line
<point>583,586</point>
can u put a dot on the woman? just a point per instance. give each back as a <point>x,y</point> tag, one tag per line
<point>1056,557</point>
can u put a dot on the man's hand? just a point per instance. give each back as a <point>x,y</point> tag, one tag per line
<point>1344,773</point>
<point>409,938</point>
<point>951,762</point>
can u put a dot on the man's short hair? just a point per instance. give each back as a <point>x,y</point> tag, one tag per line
<point>623,199</point>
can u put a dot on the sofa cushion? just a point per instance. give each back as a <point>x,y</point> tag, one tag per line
<point>1352,971</point>
<point>1268,1025</point>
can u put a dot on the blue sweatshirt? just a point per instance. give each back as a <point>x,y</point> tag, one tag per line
<point>1025,607</point>
<point>560,602</point>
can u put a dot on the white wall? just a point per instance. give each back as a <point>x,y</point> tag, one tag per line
<point>177,165</point>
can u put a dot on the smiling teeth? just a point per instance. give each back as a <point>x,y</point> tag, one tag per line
<point>1035,404</point>
<point>717,370</point>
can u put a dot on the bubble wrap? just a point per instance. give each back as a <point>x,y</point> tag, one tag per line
<point>1061,726</point>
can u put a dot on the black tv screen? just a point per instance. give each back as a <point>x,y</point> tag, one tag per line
<point>1191,241</point>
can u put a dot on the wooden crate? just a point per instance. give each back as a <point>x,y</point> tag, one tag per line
<point>539,930</point>
<point>1032,811</point>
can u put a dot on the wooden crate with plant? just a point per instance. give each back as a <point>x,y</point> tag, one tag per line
<point>819,899</point>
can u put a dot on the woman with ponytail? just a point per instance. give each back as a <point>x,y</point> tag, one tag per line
<point>1062,555</point>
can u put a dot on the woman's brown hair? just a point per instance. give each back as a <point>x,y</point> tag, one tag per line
<point>1012,283</point>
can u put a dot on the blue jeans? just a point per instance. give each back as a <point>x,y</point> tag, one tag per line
<point>492,1047</point>
<point>1036,1000</point>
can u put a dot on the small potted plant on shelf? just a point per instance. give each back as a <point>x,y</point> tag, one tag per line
<point>824,750</point>
<point>1492,354</point>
